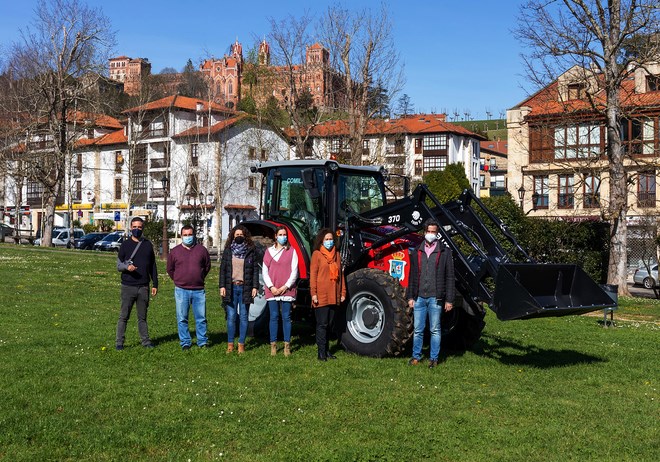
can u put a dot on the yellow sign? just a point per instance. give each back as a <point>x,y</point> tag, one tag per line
<point>75,207</point>
<point>114,205</point>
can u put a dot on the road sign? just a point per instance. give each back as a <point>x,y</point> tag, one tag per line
<point>117,216</point>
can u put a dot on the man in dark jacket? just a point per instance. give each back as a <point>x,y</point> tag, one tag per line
<point>135,282</point>
<point>431,285</point>
<point>188,264</point>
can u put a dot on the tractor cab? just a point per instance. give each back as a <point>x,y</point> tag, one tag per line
<point>311,195</point>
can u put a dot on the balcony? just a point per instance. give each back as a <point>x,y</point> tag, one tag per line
<point>156,193</point>
<point>152,133</point>
<point>158,163</point>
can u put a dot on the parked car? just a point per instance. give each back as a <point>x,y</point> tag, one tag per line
<point>87,241</point>
<point>643,277</point>
<point>61,236</point>
<point>111,242</point>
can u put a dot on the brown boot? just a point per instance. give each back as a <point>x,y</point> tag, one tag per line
<point>287,349</point>
<point>230,348</point>
<point>241,348</point>
<point>273,348</point>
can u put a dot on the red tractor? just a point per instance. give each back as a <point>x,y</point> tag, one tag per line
<point>375,235</point>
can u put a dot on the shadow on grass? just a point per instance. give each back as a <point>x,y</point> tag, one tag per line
<point>513,353</point>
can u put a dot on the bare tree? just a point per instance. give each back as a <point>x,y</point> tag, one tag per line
<point>363,51</point>
<point>592,34</point>
<point>290,38</point>
<point>67,41</point>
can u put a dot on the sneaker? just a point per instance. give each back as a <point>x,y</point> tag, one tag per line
<point>186,348</point>
<point>330,355</point>
<point>433,363</point>
<point>413,362</point>
<point>119,347</point>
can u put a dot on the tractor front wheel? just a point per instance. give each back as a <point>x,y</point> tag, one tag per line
<point>378,321</point>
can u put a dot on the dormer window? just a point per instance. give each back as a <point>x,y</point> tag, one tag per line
<point>653,83</point>
<point>576,91</point>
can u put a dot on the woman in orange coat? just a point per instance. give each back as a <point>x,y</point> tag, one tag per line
<point>327,286</point>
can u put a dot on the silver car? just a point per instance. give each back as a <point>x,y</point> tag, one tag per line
<point>642,276</point>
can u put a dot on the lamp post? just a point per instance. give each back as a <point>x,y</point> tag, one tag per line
<point>164,181</point>
<point>521,196</point>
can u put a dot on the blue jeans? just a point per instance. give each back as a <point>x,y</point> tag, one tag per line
<point>184,299</point>
<point>274,308</point>
<point>426,307</point>
<point>237,307</point>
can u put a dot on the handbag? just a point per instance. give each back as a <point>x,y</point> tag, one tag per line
<point>123,265</point>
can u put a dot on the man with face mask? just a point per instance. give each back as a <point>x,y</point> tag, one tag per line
<point>188,264</point>
<point>430,287</point>
<point>139,254</point>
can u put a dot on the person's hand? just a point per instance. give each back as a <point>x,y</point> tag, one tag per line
<point>154,291</point>
<point>131,268</point>
<point>315,300</point>
<point>411,303</point>
<point>254,292</point>
<point>343,299</point>
<point>449,306</point>
<point>223,292</point>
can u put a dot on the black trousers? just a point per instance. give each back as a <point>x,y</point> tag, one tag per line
<point>325,316</point>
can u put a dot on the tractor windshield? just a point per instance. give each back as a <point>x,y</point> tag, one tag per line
<point>295,202</point>
<point>360,193</point>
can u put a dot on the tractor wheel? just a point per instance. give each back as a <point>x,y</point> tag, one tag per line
<point>378,321</point>
<point>461,327</point>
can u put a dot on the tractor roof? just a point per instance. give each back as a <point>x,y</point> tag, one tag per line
<point>263,167</point>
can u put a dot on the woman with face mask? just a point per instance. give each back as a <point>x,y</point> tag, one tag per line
<point>239,282</point>
<point>327,287</point>
<point>279,272</point>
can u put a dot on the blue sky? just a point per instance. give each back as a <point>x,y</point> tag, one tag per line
<point>458,54</point>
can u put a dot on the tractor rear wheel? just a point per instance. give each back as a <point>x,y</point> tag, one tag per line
<point>461,327</point>
<point>378,321</point>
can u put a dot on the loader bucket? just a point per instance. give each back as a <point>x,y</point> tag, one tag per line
<point>525,291</point>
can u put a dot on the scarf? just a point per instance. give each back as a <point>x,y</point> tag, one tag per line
<point>239,250</point>
<point>332,264</point>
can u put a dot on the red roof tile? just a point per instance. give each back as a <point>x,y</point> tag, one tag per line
<point>501,147</point>
<point>178,102</point>
<point>418,124</point>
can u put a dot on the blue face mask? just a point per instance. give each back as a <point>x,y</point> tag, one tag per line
<point>281,240</point>
<point>136,233</point>
<point>188,240</point>
<point>328,244</point>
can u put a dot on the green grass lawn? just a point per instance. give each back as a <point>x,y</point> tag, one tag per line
<point>540,390</point>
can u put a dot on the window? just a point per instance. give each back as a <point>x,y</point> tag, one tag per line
<point>365,147</point>
<point>591,191</point>
<point>193,184</point>
<point>646,189</point>
<point>90,133</point>
<point>398,146</point>
<point>79,164</point>
<point>339,145</point>
<point>119,161</point>
<point>632,134</point>
<point>140,183</point>
<point>653,83</point>
<point>252,153</point>
<point>435,143</point>
<point>194,155</point>
<point>577,141</point>
<point>542,190</point>
<point>418,168</point>
<point>117,189</point>
<point>493,163</point>
<point>230,88</point>
<point>576,91</point>
<point>497,181</point>
<point>77,192</point>
<point>482,181</point>
<point>252,182</point>
<point>566,198</point>
<point>264,155</point>
<point>434,163</point>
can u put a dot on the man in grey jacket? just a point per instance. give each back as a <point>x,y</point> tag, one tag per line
<point>431,285</point>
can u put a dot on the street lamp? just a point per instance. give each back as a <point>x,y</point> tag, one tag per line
<point>521,195</point>
<point>164,181</point>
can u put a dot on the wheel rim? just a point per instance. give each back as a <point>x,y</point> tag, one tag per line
<point>366,317</point>
<point>648,283</point>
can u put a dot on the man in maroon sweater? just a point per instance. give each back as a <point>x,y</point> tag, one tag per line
<point>188,264</point>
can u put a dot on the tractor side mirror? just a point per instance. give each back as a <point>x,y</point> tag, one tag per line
<point>309,182</point>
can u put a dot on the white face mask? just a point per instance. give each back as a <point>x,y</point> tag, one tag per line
<point>430,237</point>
